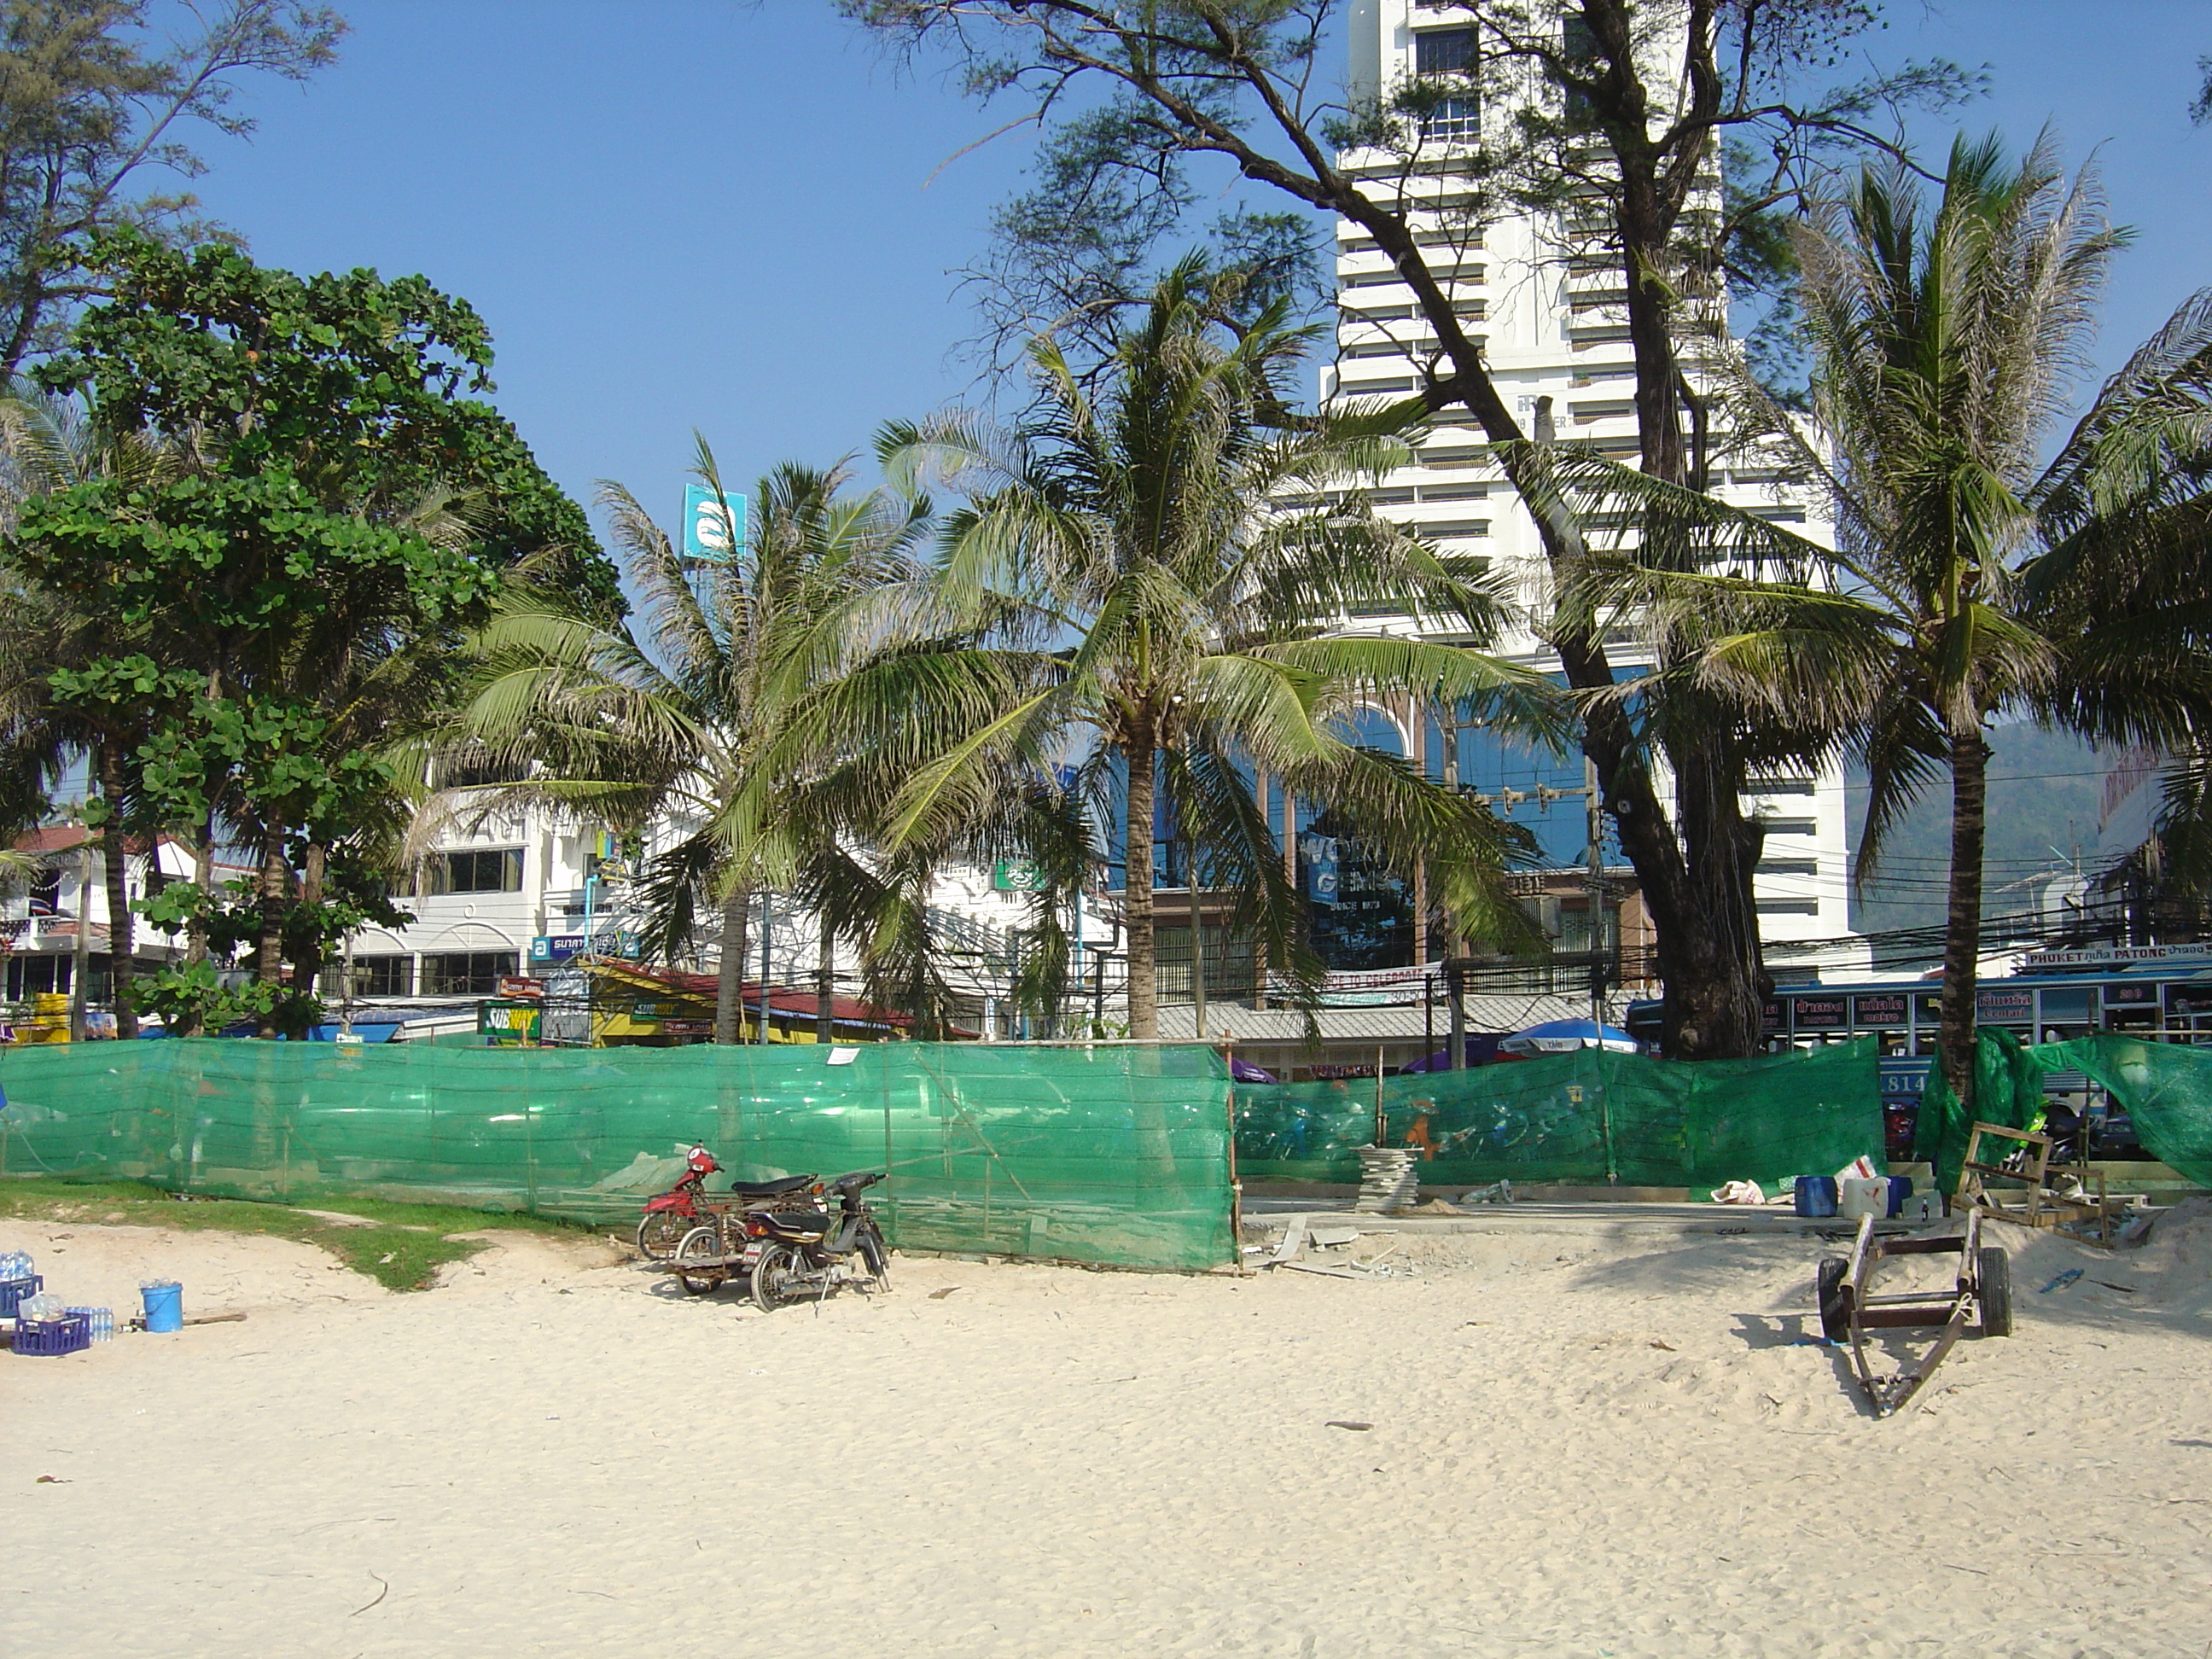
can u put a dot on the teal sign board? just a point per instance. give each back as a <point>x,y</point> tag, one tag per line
<point>710,534</point>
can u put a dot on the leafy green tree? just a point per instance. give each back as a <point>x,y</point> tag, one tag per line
<point>88,105</point>
<point>46,444</point>
<point>1974,577</point>
<point>1174,630</point>
<point>284,605</point>
<point>724,713</point>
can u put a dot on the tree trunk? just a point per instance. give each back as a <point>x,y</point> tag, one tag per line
<point>188,1021</point>
<point>730,990</point>
<point>1699,902</point>
<point>81,952</point>
<point>1719,986</point>
<point>122,925</point>
<point>1962,935</point>
<point>196,932</point>
<point>307,969</point>
<point>269,954</point>
<point>1138,751</point>
<point>825,987</point>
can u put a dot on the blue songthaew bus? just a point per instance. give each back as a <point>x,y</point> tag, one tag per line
<point>2162,992</point>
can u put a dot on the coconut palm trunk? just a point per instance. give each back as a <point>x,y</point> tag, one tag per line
<point>1140,750</point>
<point>730,990</point>
<point>1970,760</point>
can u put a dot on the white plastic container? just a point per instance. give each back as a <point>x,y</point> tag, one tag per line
<point>1862,1195</point>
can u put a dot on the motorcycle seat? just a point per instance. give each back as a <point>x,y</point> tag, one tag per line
<point>771,1188</point>
<point>798,1221</point>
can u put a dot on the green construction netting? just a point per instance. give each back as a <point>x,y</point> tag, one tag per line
<point>2166,1089</point>
<point>1589,1117</point>
<point>1108,1154</point>
<point>2008,1092</point>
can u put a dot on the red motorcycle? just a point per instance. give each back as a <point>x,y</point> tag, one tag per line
<point>685,1206</point>
<point>676,1211</point>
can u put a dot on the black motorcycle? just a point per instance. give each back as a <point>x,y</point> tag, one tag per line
<point>805,1253</point>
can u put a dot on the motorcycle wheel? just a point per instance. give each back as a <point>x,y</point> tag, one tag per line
<point>772,1277</point>
<point>701,1245</point>
<point>660,1233</point>
<point>877,1259</point>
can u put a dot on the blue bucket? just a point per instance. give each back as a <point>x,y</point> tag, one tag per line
<point>1816,1195</point>
<point>164,1306</point>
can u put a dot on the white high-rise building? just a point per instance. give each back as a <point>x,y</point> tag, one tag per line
<point>1555,339</point>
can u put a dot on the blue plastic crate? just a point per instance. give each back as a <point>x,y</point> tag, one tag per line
<point>13,1291</point>
<point>53,1336</point>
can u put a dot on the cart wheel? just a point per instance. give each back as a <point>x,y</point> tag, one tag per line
<point>1835,1315</point>
<point>660,1233</point>
<point>1993,1289</point>
<point>702,1245</point>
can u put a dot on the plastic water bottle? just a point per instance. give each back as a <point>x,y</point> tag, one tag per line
<point>101,1321</point>
<point>16,1264</point>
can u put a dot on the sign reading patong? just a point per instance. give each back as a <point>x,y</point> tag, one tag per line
<point>2111,955</point>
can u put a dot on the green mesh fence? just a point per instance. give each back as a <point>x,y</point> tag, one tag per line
<point>2008,1092</point>
<point>1111,1155</point>
<point>1580,1118</point>
<point>2166,1089</point>
<point>1589,1117</point>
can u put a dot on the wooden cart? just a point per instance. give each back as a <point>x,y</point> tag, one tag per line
<point>2063,1197</point>
<point>1849,1307</point>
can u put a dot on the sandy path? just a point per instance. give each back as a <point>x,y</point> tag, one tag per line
<point>544,1460</point>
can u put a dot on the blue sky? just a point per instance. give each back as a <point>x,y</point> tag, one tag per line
<point>695,213</point>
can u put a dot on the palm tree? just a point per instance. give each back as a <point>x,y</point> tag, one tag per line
<point>1971,578</point>
<point>1167,628</point>
<point>713,713</point>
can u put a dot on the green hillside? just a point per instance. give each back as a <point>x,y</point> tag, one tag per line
<point>2044,793</point>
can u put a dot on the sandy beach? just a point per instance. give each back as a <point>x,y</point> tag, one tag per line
<point>1589,1435</point>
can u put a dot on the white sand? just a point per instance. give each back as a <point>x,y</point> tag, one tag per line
<point>1586,1441</point>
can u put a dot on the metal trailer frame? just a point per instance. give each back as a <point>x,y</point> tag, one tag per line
<point>1849,1307</point>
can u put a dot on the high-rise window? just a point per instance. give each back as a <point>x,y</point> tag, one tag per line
<point>1449,52</point>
